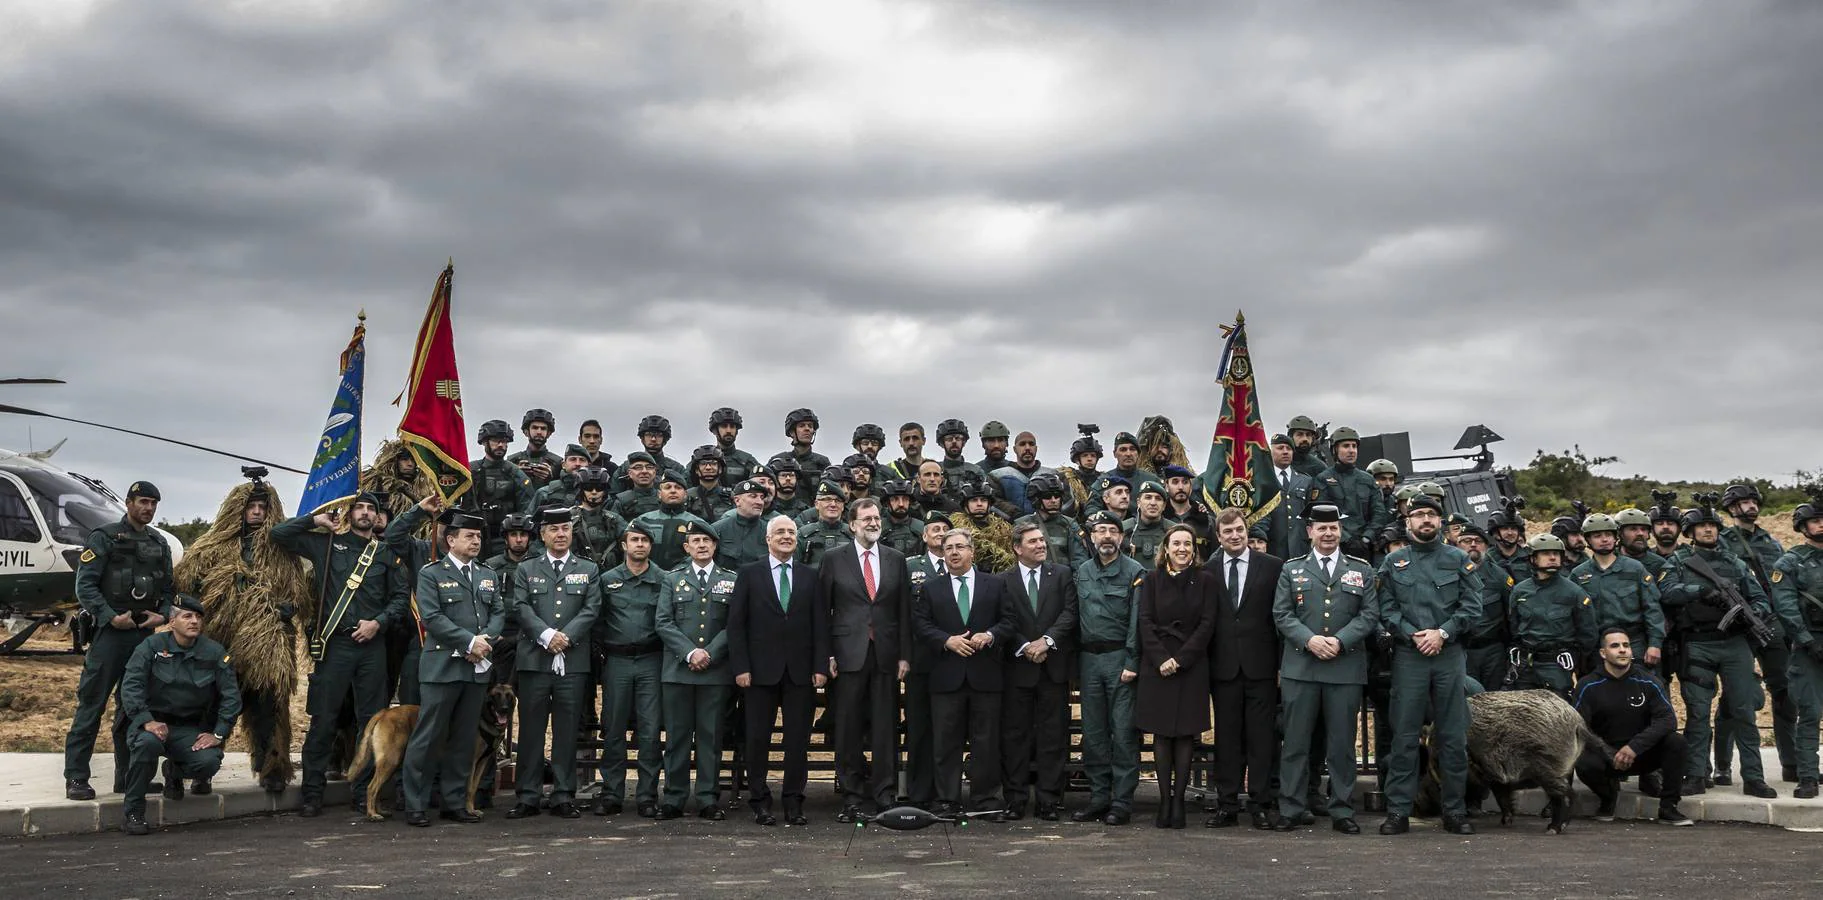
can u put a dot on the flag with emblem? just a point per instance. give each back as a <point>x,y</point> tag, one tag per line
<point>335,470</point>
<point>432,426</point>
<point>1239,473</point>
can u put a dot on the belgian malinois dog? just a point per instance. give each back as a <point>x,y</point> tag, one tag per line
<point>383,744</point>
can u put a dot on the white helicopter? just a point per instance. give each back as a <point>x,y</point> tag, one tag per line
<point>46,515</point>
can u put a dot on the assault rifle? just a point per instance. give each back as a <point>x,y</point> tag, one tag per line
<point>1739,609</point>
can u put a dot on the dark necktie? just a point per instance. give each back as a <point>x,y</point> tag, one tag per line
<point>1284,482</point>
<point>785,587</point>
<point>1234,581</point>
<point>1327,574</point>
<point>1031,588</point>
<point>558,567</point>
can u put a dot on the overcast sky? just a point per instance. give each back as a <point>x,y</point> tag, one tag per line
<point>1591,223</point>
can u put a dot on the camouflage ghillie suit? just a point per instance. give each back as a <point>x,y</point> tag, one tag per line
<point>254,592</point>
<point>993,540</point>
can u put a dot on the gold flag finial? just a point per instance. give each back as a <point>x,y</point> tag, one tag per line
<point>362,315</point>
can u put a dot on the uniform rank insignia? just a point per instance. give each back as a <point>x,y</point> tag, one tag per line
<point>576,578</point>
<point>448,585</point>
<point>1777,576</point>
<point>1401,563</point>
<point>683,585</point>
<point>616,585</point>
<point>164,654</point>
<point>1353,579</point>
<point>1469,568</point>
<point>226,657</point>
<point>682,529</point>
<point>88,556</point>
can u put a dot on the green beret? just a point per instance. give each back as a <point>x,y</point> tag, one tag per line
<point>185,601</point>
<point>144,489</point>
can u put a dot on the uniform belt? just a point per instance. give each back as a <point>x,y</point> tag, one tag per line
<point>1546,648</point>
<point>1478,643</point>
<point>1103,646</point>
<point>181,721</point>
<point>640,649</point>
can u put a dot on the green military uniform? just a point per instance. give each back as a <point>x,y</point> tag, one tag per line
<point>1654,565</point>
<point>455,608</point>
<point>626,634</point>
<point>1364,511</point>
<point>1797,596</point>
<point>632,503</point>
<point>709,503</point>
<point>1062,539</point>
<point>1489,638</point>
<point>1107,622</point>
<point>1518,564</point>
<point>123,569</point>
<point>597,534</point>
<point>403,645</point>
<point>560,492</point>
<point>1322,696</point>
<point>667,525</point>
<point>1711,654</point>
<point>1626,596</point>
<point>1144,539</point>
<point>1423,586</point>
<point>373,578</point>
<point>189,689</point>
<point>500,489</point>
<point>904,535</point>
<point>792,506</point>
<point>1554,630</point>
<point>810,462</point>
<point>737,465</point>
<point>528,456</point>
<point>820,537</point>
<point>1760,551</point>
<point>561,597</point>
<point>739,540</point>
<point>920,746</point>
<point>1134,478</point>
<point>692,614</point>
<point>957,472</point>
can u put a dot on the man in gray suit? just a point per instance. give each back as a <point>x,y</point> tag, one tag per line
<point>869,595</point>
<point>556,599</point>
<point>1326,610</point>
<point>460,610</point>
<point>1285,534</point>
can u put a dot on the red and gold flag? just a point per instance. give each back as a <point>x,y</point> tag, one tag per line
<point>1240,459</point>
<point>432,427</point>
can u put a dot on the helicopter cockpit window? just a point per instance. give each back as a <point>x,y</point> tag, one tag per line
<point>71,509</point>
<point>16,521</point>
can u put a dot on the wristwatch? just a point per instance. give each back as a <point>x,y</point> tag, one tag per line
<point>222,737</point>
<point>1443,634</point>
<point>1049,643</point>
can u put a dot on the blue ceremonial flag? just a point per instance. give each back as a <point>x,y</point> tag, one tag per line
<point>335,473</point>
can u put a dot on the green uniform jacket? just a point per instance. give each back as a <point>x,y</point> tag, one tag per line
<point>1134,477</point>
<point>1653,563</point>
<point>1493,625</point>
<point>1105,606</point>
<point>737,465</point>
<point>500,488</point>
<point>919,567</point>
<point>504,565</point>
<point>1343,606</point>
<point>904,535</point>
<point>1143,540</point>
<point>168,683</point>
<point>453,613</point>
<point>385,591</point>
<point>526,457</point>
<point>740,541</point>
<point>118,562</point>
<point>1760,550</point>
<point>818,538</point>
<point>1797,592</point>
<point>1682,591</point>
<point>1364,512</point>
<point>710,503</point>
<point>1552,616</point>
<point>629,605</point>
<point>597,535</point>
<point>812,462</point>
<point>632,503</point>
<point>1625,595</point>
<point>568,604</point>
<point>560,492</point>
<point>1519,565</point>
<point>1424,586</point>
<point>689,618</point>
<point>667,526</point>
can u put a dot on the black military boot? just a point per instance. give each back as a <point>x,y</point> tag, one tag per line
<point>174,781</point>
<point>1759,789</point>
<point>78,789</point>
<point>1806,790</point>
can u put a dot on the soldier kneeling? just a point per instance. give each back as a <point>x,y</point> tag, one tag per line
<point>181,698</point>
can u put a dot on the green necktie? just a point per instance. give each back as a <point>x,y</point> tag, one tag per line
<point>962,598</point>
<point>785,587</point>
<point>1031,587</point>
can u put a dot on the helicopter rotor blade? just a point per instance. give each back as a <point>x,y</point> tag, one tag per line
<point>31,381</point>
<point>21,411</point>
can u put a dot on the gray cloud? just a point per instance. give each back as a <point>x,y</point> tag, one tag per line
<point>1577,223</point>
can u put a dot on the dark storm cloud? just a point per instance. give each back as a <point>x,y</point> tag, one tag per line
<point>1558,219</point>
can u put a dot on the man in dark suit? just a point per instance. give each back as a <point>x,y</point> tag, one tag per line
<point>778,648</point>
<point>1035,709</point>
<point>869,616</point>
<point>965,616</point>
<point>1243,673</point>
<point>1285,536</point>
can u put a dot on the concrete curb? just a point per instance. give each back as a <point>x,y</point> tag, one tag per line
<point>104,814</point>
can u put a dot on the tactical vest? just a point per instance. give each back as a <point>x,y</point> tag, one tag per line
<point>596,534</point>
<point>139,568</point>
<point>495,488</point>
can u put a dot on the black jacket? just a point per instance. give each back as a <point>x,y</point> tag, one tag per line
<point>766,641</point>
<point>1246,641</point>
<point>1056,617</point>
<point>1633,711</point>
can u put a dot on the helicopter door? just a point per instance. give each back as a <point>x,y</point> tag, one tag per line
<point>26,553</point>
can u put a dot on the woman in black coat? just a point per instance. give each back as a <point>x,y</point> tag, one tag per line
<point>1177,602</point>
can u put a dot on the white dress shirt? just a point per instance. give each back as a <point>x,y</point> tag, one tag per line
<point>1026,574</point>
<point>1246,557</point>
<point>544,639</point>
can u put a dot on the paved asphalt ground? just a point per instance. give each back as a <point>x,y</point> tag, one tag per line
<point>627,856</point>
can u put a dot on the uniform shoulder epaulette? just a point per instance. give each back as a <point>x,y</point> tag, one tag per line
<point>1356,559</point>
